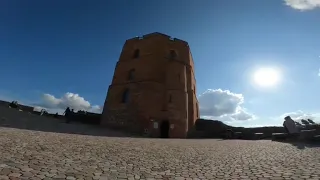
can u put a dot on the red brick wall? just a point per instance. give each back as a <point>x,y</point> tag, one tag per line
<point>156,79</point>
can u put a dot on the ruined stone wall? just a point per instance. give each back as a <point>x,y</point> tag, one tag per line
<point>21,106</point>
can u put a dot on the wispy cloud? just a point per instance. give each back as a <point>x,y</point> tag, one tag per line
<point>303,5</point>
<point>72,100</point>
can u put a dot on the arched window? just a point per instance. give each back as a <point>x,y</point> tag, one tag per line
<point>131,74</point>
<point>136,53</point>
<point>125,96</point>
<point>173,54</point>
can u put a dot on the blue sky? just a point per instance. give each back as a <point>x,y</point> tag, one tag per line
<point>57,53</point>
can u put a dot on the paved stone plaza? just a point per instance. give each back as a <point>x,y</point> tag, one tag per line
<point>40,155</point>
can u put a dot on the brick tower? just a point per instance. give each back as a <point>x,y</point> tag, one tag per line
<point>153,90</point>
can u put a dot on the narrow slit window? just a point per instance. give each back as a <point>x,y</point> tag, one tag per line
<point>197,109</point>
<point>170,98</point>
<point>136,53</point>
<point>131,74</point>
<point>125,96</point>
<point>173,54</point>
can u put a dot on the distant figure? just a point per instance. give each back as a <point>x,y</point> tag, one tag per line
<point>14,104</point>
<point>305,122</point>
<point>311,121</point>
<point>297,123</point>
<point>290,126</point>
<point>67,114</point>
<point>82,112</point>
<point>42,112</point>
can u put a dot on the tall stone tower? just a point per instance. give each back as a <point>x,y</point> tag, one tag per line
<point>153,90</point>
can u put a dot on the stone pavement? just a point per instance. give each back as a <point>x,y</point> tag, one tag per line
<point>41,155</point>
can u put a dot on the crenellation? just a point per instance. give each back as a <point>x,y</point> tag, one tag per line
<point>181,41</point>
<point>155,34</point>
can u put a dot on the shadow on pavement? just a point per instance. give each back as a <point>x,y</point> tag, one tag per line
<point>297,144</point>
<point>303,145</point>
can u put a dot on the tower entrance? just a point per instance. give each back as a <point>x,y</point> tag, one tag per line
<point>164,129</point>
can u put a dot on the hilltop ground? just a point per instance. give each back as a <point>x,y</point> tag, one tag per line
<point>56,154</point>
<point>43,155</point>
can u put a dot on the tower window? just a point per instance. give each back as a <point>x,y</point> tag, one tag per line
<point>136,53</point>
<point>197,109</point>
<point>125,96</point>
<point>173,54</point>
<point>131,74</point>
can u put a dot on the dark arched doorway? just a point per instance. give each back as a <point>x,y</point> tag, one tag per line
<point>164,129</point>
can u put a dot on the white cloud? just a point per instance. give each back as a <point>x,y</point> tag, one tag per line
<point>276,120</point>
<point>74,101</point>
<point>242,114</point>
<point>38,108</point>
<point>223,105</point>
<point>50,101</point>
<point>303,4</point>
<point>295,115</point>
<point>298,115</point>
<point>96,109</point>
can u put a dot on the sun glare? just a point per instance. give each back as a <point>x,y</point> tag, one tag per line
<point>266,77</point>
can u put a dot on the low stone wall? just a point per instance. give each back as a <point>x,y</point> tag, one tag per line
<point>208,129</point>
<point>91,118</point>
<point>21,106</point>
<point>4,103</point>
<point>14,118</point>
<point>217,129</point>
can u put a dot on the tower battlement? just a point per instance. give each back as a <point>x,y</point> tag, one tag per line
<point>173,39</point>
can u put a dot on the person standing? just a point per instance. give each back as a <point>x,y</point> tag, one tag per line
<point>67,114</point>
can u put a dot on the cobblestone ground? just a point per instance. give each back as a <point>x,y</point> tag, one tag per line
<point>39,155</point>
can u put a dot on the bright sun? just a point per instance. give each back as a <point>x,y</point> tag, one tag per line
<point>266,77</point>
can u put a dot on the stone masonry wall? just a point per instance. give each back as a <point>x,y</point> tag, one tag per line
<point>123,120</point>
<point>158,89</point>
